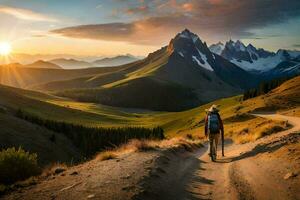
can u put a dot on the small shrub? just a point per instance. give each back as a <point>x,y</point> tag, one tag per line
<point>3,189</point>
<point>17,165</point>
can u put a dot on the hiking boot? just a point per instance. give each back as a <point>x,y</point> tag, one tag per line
<point>214,157</point>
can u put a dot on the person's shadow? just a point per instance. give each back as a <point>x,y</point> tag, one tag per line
<point>261,148</point>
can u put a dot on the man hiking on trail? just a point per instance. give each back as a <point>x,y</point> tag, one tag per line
<point>213,128</point>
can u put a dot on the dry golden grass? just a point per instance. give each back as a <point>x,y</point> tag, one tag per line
<point>254,129</point>
<point>150,145</point>
<point>54,168</point>
<point>107,155</point>
<point>295,112</point>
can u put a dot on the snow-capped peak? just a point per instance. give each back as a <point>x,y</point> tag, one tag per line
<point>240,46</point>
<point>189,47</point>
<point>217,48</point>
<point>188,35</point>
<point>250,47</point>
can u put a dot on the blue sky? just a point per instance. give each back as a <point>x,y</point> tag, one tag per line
<point>139,27</point>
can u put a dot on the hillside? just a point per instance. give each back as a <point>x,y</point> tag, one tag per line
<point>189,121</point>
<point>181,172</point>
<point>40,64</point>
<point>165,71</point>
<point>284,99</point>
<point>51,147</point>
<point>71,63</point>
<point>24,77</point>
<point>43,64</point>
<point>115,61</point>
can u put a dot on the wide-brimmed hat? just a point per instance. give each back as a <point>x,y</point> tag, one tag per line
<point>213,108</point>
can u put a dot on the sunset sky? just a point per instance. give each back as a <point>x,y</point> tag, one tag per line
<point>138,27</point>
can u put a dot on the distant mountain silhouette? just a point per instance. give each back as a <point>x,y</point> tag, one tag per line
<point>115,61</point>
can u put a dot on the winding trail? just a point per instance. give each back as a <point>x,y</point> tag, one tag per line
<point>254,170</point>
<point>240,174</point>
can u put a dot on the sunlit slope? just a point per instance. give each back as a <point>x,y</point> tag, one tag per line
<point>24,77</point>
<point>233,110</point>
<point>93,80</point>
<point>90,114</point>
<point>37,104</point>
<point>180,76</point>
<point>162,81</point>
<point>285,98</point>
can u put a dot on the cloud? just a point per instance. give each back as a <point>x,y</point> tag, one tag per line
<point>138,10</point>
<point>25,14</point>
<point>296,45</point>
<point>114,31</point>
<point>209,18</point>
<point>260,36</point>
<point>38,36</point>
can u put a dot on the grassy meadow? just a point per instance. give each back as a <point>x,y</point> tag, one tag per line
<point>233,110</point>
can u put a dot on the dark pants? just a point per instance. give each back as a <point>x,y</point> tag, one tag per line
<point>213,138</point>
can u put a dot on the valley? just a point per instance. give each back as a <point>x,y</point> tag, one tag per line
<point>133,126</point>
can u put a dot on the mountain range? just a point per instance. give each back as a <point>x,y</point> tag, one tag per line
<point>70,63</point>
<point>181,75</point>
<point>258,60</point>
<point>40,64</point>
<point>104,62</point>
<point>115,61</point>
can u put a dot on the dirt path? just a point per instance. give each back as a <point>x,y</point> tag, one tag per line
<point>248,171</point>
<point>243,173</point>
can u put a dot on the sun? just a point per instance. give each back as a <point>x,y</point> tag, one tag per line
<point>5,48</point>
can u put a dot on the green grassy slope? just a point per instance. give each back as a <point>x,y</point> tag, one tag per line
<point>232,110</point>
<point>91,114</point>
<point>15,132</point>
<point>29,77</point>
<point>95,79</point>
<point>161,76</point>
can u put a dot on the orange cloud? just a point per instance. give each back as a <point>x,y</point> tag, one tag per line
<point>188,7</point>
<point>209,18</point>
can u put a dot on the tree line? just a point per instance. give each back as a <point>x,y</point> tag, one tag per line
<point>93,139</point>
<point>264,88</point>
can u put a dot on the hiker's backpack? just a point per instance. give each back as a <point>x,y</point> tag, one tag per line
<point>213,123</point>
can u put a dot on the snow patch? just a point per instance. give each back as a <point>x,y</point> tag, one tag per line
<point>261,64</point>
<point>181,54</point>
<point>240,46</point>
<point>206,65</point>
<point>195,38</point>
<point>184,35</point>
<point>217,48</point>
<point>291,68</point>
<point>293,53</point>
